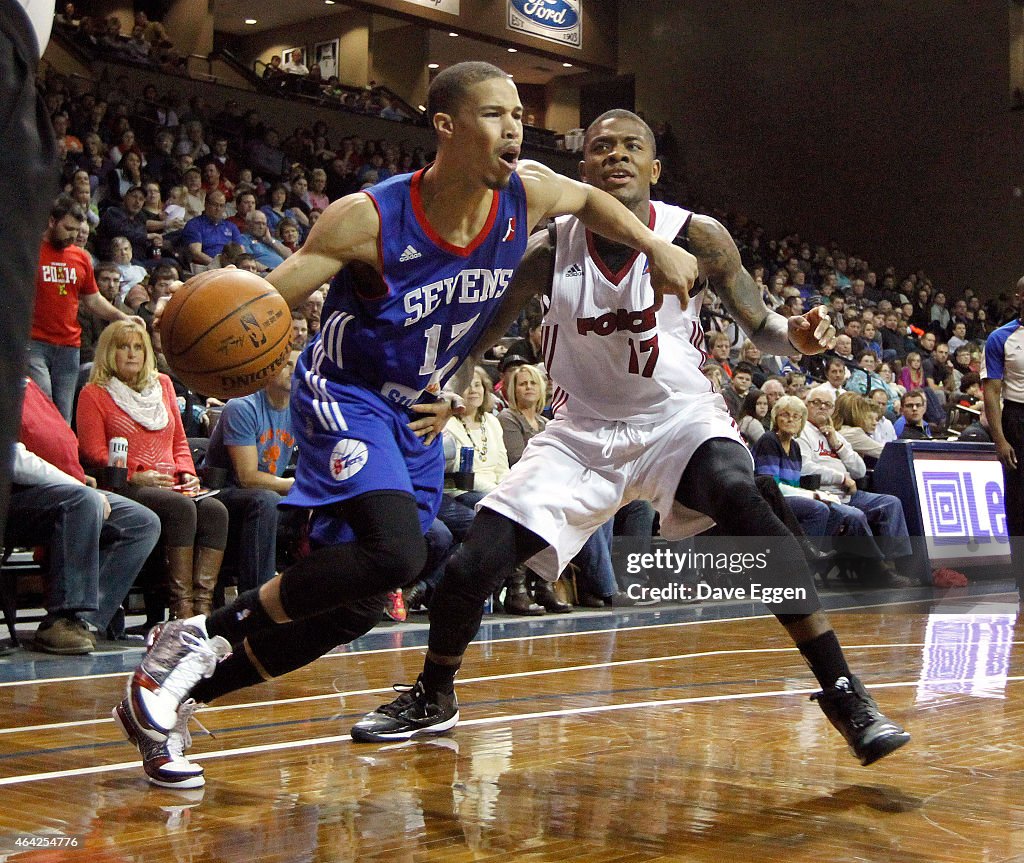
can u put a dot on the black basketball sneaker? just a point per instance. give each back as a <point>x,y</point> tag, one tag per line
<point>414,712</point>
<point>870,734</point>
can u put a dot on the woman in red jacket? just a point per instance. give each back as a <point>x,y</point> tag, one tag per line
<point>126,397</point>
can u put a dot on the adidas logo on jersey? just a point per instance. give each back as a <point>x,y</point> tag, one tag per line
<point>574,272</point>
<point>410,254</point>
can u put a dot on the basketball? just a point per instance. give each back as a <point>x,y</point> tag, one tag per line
<point>225,333</point>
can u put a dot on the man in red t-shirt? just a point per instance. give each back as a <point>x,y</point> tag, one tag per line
<point>64,275</point>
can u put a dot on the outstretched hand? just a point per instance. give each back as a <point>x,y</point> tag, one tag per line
<point>436,415</point>
<point>161,304</point>
<point>813,332</point>
<point>673,271</point>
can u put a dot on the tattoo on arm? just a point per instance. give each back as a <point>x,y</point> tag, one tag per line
<point>719,262</point>
<point>742,297</point>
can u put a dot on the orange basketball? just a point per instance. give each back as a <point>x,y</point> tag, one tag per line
<point>225,333</point>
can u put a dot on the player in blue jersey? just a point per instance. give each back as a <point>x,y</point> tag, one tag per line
<point>424,260</point>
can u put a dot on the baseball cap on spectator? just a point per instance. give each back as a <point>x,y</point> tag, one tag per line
<point>510,360</point>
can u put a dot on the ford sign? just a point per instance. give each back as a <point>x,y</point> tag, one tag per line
<point>555,14</point>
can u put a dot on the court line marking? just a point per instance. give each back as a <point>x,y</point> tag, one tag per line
<point>469,723</point>
<point>540,672</point>
<point>511,639</point>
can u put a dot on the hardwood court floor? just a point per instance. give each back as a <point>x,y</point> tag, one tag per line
<point>650,737</point>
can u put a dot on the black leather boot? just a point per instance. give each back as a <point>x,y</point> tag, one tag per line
<point>818,560</point>
<point>544,595</point>
<point>517,598</point>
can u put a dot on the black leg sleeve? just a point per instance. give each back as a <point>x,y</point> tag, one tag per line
<point>719,482</point>
<point>289,646</point>
<point>496,545</point>
<point>768,488</point>
<point>389,552</point>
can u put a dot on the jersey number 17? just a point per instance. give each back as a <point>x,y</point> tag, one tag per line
<point>646,346</point>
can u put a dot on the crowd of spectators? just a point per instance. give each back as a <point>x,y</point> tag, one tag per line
<point>156,187</point>
<point>147,44</point>
<point>170,184</point>
<point>150,46</point>
<point>895,335</point>
<point>907,364</point>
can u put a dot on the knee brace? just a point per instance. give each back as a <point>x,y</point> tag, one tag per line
<point>290,646</point>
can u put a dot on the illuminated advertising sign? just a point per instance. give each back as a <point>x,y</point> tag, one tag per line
<point>962,512</point>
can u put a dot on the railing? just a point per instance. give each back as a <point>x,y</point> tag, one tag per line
<point>196,59</point>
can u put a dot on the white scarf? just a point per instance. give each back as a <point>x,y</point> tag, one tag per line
<point>147,408</point>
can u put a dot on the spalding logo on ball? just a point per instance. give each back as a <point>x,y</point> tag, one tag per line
<point>226,333</point>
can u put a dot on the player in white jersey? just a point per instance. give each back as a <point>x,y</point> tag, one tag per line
<point>634,418</point>
<point>629,395</point>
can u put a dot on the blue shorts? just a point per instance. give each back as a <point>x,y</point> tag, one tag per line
<point>351,441</point>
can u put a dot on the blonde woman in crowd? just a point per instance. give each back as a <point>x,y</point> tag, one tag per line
<point>479,428</point>
<point>126,397</point>
<point>526,392</point>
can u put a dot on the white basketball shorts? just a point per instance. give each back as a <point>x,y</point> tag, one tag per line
<point>577,473</point>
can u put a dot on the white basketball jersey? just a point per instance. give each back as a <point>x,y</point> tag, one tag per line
<point>611,355</point>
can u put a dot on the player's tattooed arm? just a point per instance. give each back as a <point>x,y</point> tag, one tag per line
<point>719,262</point>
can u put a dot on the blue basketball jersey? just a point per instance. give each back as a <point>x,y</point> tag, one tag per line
<point>408,332</point>
<point>384,343</point>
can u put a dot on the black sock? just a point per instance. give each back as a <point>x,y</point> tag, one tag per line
<point>439,678</point>
<point>235,672</point>
<point>244,617</point>
<point>825,657</point>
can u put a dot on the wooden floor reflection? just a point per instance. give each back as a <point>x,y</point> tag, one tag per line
<point>672,742</point>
